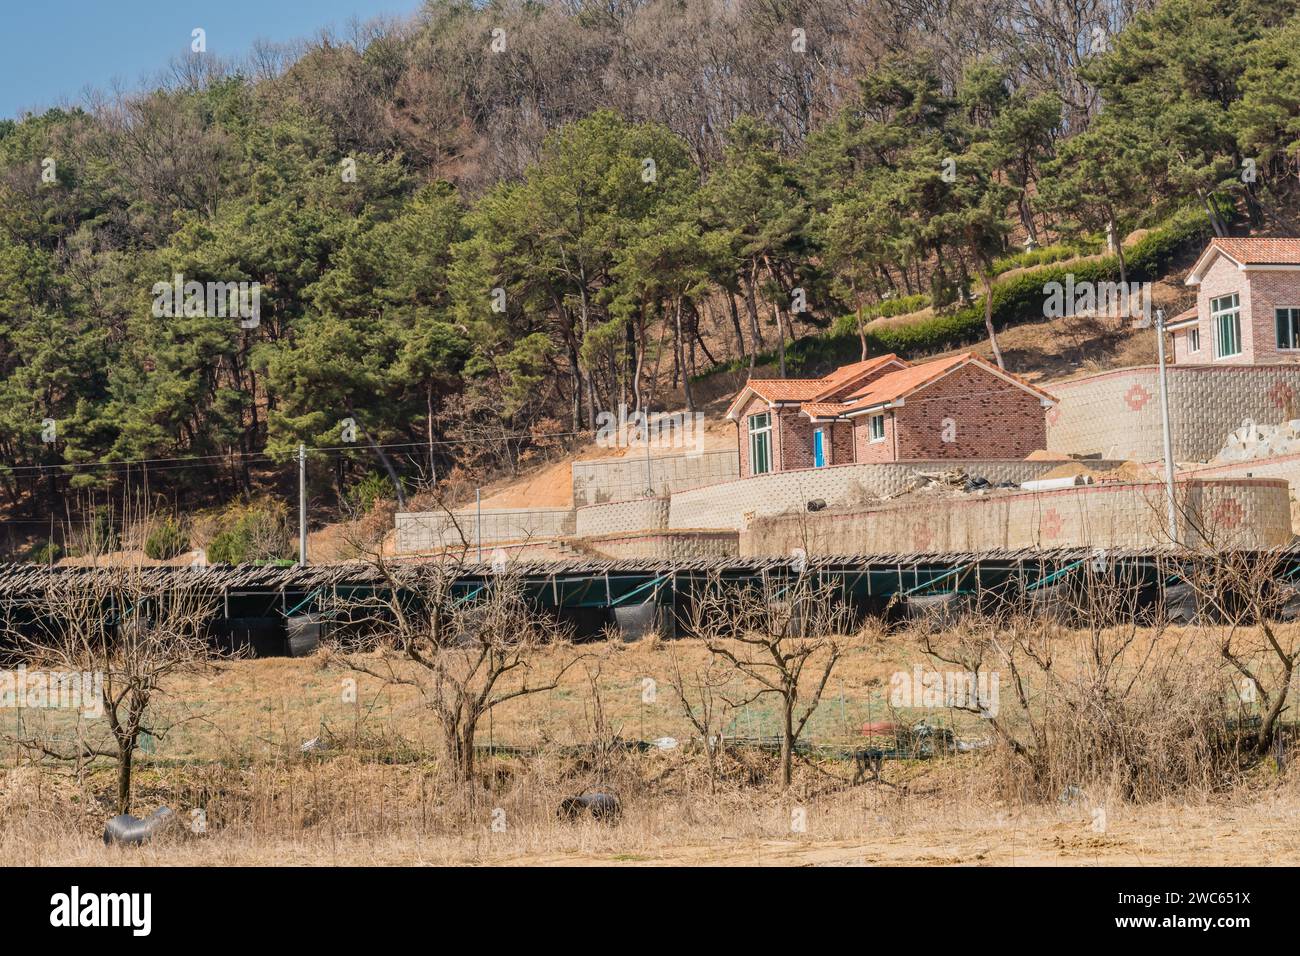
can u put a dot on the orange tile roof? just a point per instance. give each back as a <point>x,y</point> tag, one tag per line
<point>887,388</point>
<point>823,409</point>
<point>1261,252</point>
<point>785,389</point>
<point>845,374</point>
<point>1184,316</point>
<point>894,385</point>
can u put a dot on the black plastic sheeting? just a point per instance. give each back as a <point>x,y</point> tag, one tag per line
<point>305,633</point>
<point>132,831</point>
<point>601,806</point>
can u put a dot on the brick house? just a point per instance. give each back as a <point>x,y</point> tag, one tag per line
<point>884,409</point>
<point>1247,308</point>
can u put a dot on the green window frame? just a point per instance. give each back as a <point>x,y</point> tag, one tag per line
<point>760,443</point>
<point>1225,314</point>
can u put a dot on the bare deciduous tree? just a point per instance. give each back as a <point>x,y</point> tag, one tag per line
<point>770,634</point>
<point>124,626</point>
<point>472,647</point>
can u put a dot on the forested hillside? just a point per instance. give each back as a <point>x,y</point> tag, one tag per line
<point>499,220</point>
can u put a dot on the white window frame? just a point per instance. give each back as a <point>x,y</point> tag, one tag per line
<point>1193,339</point>
<point>872,437</point>
<point>1218,313</point>
<point>763,432</point>
<point>1294,318</point>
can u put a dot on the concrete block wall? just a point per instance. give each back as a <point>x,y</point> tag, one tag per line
<point>646,514</point>
<point>435,530</point>
<point>625,479</point>
<point>1234,513</point>
<point>667,546</point>
<point>735,503</point>
<point>1117,414</point>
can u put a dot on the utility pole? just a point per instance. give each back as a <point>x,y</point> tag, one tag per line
<point>1170,504</point>
<point>302,505</point>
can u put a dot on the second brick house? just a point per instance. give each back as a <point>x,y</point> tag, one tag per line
<point>1247,308</point>
<point>885,409</point>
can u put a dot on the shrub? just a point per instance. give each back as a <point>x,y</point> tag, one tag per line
<point>1036,257</point>
<point>256,532</point>
<point>362,495</point>
<point>166,540</point>
<point>1015,300</point>
<point>101,536</point>
<point>46,553</point>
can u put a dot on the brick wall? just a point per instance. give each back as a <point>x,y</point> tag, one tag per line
<point>988,417</point>
<point>873,452</point>
<point>1269,291</point>
<point>841,443</point>
<point>1117,414</point>
<point>1224,278</point>
<point>1234,513</point>
<point>795,439</point>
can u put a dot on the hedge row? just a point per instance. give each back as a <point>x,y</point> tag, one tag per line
<point>1014,300</point>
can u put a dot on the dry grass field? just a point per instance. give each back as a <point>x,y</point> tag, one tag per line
<point>378,793</point>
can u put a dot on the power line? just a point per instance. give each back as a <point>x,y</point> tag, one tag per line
<point>192,461</point>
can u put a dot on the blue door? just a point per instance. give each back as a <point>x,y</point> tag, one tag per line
<point>819,448</point>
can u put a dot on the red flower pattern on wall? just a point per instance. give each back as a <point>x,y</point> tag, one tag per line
<point>1281,395</point>
<point>1053,414</point>
<point>1137,396</point>
<point>1051,525</point>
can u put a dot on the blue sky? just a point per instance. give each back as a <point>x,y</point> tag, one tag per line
<point>52,50</point>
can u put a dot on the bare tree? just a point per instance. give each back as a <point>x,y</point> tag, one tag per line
<point>769,633</point>
<point>128,630</point>
<point>701,697</point>
<point>466,647</point>
<point>1240,596</point>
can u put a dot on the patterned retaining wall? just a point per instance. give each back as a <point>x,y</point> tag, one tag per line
<point>1117,414</point>
<point>1232,513</point>
<point>1286,467</point>
<point>625,479</point>
<point>732,504</point>
<point>647,514</point>
<point>435,530</point>
<point>680,546</point>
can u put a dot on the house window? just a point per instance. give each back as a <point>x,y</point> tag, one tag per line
<point>819,448</point>
<point>760,443</point>
<point>1288,328</point>
<point>1225,314</point>
<point>876,428</point>
<point>1193,340</point>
